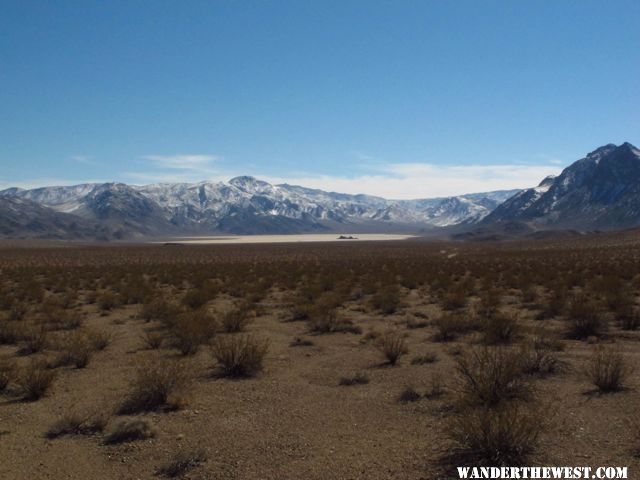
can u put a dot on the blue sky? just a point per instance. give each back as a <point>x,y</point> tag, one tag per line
<point>398,98</point>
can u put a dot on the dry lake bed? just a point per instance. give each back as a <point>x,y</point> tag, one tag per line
<point>324,237</point>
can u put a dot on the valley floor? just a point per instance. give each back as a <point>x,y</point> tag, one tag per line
<point>324,311</point>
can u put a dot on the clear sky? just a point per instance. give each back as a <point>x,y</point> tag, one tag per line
<point>398,98</point>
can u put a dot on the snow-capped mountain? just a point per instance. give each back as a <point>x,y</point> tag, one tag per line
<point>247,205</point>
<point>600,191</point>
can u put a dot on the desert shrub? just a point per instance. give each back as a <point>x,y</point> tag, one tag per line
<point>301,342</point>
<point>236,320</point>
<point>152,339</point>
<point>76,351</point>
<point>413,323</point>
<point>134,291</point>
<point>158,308</point>
<point>300,311</point>
<point>585,319</point>
<point>628,317</point>
<point>393,346</point>
<point>70,321</point>
<point>499,328</point>
<point>620,299</point>
<point>386,299</point>
<point>55,318</point>
<point>195,298</point>
<point>408,395</point>
<point>506,436</point>
<point>537,360</point>
<point>129,431</point>
<point>454,299</point>
<point>608,370</point>
<point>425,359</point>
<point>529,294</point>
<point>182,463</point>
<point>35,380</point>
<point>451,325</point>
<point>630,322</point>
<point>34,339</point>
<point>9,333</point>
<point>555,304</point>
<point>91,297</point>
<point>538,354</point>
<point>7,373</point>
<point>68,299</point>
<point>192,329</point>
<point>18,310</point>
<point>107,301</point>
<point>239,355</point>
<point>454,350</point>
<point>330,322</point>
<point>490,375</point>
<point>358,378</point>
<point>99,340</point>
<point>77,424</point>
<point>436,387</point>
<point>32,290</point>
<point>371,335</point>
<point>158,384</point>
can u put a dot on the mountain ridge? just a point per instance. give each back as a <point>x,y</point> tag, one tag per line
<point>599,191</point>
<point>247,205</point>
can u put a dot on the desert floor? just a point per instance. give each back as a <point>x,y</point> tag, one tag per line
<point>293,419</point>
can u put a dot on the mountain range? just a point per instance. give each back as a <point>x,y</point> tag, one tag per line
<point>599,191</point>
<point>243,205</point>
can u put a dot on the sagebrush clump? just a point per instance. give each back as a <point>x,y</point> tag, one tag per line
<point>608,370</point>
<point>491,375</point>
<point>239,355</point>
<point>393,346</point>
<point>35,380</point>
<point>158,384</point>
<point>129,431</point>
